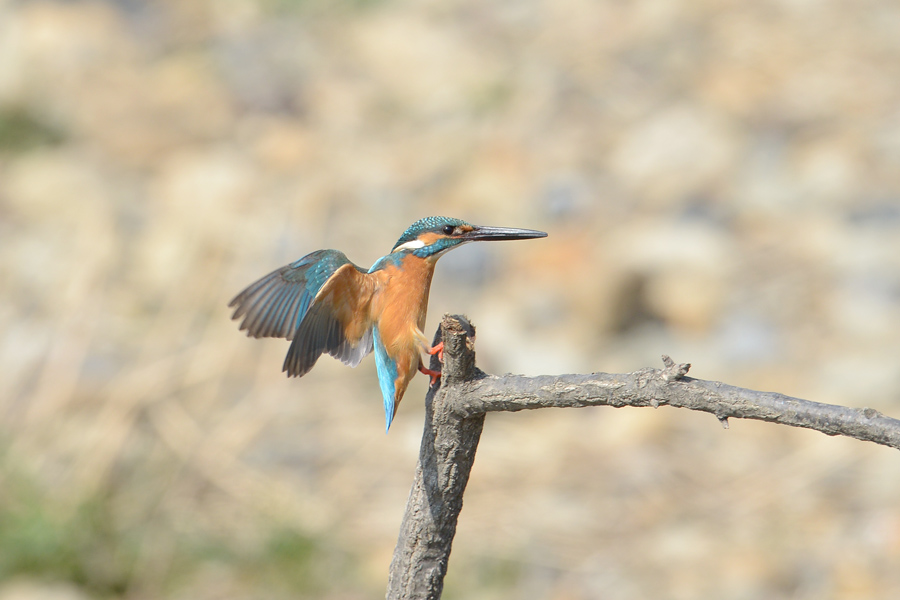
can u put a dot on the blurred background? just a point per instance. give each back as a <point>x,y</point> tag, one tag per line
<point>720,182</point>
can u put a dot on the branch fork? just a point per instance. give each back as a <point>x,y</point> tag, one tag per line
<point>455,409</point>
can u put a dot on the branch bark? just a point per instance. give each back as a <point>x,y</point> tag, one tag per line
<point>456,407</point>
<point>445,461</point>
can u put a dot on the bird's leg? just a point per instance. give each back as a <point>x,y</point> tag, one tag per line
<point>435,375</point>
<point>438,349</point>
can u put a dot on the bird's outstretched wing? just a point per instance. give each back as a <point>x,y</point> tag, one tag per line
<point>338,322</point>
<point>275,305</point>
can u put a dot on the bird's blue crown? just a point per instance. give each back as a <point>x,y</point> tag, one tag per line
<point>430,224</point>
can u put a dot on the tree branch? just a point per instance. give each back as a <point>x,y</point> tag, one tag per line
<point>655,387</point>
<point>454,418</point>
<point>445,460</point>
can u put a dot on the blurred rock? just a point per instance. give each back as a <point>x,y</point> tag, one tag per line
<point>673,153</point>
<point>426,67</point>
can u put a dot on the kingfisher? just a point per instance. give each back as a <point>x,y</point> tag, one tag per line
<point>325,303</point>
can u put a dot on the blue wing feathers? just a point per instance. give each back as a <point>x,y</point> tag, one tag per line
<point>318,332</point>
<point>275,305</point>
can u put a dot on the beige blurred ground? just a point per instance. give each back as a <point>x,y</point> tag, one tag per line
<point>720,181</point>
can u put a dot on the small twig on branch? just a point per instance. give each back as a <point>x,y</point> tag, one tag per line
<point>455,416</point>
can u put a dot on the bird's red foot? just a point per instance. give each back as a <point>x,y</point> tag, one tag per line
<point>435,375</point>
<point>439,350</point>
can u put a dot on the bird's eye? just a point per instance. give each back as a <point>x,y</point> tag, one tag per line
<point>448,229</point>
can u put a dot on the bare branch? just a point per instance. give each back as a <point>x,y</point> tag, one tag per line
<point>455,417</point>
<point>655,387</point>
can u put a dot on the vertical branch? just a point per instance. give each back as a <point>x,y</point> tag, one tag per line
<point>445,461</point>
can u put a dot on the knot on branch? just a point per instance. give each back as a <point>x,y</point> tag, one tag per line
<point>674,372</point>
<point>871,413</point>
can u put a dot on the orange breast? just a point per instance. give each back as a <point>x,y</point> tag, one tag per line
<point>399,305</point>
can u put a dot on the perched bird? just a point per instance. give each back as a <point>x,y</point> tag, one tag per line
<point>325,303</point>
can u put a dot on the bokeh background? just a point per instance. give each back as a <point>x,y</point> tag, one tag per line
<point>720,181</point>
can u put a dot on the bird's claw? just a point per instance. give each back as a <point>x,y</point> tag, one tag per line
<point>435,375</point>
<point>439,350</point>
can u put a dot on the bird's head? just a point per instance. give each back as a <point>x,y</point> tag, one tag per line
<point>432,236</point>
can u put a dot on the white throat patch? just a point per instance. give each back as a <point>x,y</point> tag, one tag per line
<point>410,245</point>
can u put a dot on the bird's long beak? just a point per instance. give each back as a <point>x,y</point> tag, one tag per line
<point>501,233</point>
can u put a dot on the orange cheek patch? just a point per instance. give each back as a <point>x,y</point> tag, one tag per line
<point>429,238</point>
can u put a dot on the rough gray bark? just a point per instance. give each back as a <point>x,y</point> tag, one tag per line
<point>455,411</point>
<point>445,460</point>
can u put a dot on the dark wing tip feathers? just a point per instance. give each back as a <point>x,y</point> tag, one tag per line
<point>321,332</point>
<point>274,305</point>
<point>271,306</point>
